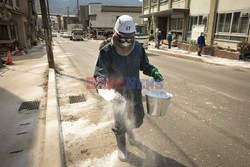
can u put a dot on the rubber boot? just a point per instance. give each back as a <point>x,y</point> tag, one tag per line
<point>131,138</point>
<point>122,150</point>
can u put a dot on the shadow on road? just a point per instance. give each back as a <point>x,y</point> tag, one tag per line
<point>168,138</point>
<point>152,158</point>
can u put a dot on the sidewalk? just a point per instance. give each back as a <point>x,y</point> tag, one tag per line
<point>22,129</point>
<point>175,52</point>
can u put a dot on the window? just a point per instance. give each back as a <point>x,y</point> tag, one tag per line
<point>221,22</point>
<point>145,3</point>
<point>224,22</point>
<point>176,23</point>
<point>227,22</point>
<point>236,21</point>
<point>197,20</point>
<point>4,32</point>
<point>240,22</point>
<point>243,25</point>
<point>233,26</point>
<point>13,31</point>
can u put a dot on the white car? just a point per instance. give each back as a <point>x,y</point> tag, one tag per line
<point>65,35</point>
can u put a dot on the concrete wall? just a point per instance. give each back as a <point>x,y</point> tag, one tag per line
<point>94,9</point>
<point>179,4</point>
<point>164,6</point>
<point>108,19</point>
<point>199,7</point>
<point>226,44</point>
<point>21,30</point>
<point>154,9</point>
<point>24,7</point>
<point>146,11</point>
<point>231,5</point>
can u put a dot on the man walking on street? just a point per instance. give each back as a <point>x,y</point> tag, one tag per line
<point>158,39</point>
<point>122,59</point>
<point>201,43</point>
<point>169,38</point>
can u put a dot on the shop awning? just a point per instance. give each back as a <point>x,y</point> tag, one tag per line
<point>166,13</point>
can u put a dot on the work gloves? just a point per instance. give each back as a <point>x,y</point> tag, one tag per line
<point>100,83</point>
<point>156,75</point>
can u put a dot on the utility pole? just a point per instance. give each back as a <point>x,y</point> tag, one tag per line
<point>67,17</point>
<point>47,35</point>
<point>50,23</point>
<point>78,11</point>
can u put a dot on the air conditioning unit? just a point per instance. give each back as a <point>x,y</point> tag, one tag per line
<point>244,14</point>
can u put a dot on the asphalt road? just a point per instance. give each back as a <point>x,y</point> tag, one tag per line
<point>208,120</point>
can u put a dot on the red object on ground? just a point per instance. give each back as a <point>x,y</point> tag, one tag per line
<point>9,58</point>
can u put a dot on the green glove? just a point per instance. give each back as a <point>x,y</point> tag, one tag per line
<point>156,75</point>
<point>100,83</point>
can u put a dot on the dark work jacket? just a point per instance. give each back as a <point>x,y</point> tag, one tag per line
<point>110,65</point>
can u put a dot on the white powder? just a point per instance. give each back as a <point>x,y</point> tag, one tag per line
<point>82,128</point>
<point>107,161</point>
<point>108,94</point>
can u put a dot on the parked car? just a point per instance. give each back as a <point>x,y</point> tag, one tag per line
<point>54,33</point>
<point>65,35</point>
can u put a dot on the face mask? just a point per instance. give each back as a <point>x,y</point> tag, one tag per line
<point>125,44</point>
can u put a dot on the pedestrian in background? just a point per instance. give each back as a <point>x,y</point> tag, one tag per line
<point>201,43</point>
<point>169,38</point>
<point>107,36</point>
<point>159,39</point>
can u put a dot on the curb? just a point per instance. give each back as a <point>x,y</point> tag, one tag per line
<point>52,143</point>
<point>193,58</point>
<point>178,55</point>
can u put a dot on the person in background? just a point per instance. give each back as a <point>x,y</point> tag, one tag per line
<point>169,38</point>
<point>201,43</point>
<point>107,36</point>
<point>123,58</point>
<point>158,39</point>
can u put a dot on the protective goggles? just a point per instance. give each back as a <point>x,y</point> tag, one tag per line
<point>123,40</point>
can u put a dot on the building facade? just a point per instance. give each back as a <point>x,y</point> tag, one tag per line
<point>68,19</point>
<point>226,21</point>
<point>17,24</point>
<point>102,18</point>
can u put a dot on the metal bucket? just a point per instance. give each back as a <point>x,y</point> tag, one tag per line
<point>158,102</point>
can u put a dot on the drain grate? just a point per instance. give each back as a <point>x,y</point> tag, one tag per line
<point>24,124</point>
<point>21,133</point>
<point>14,152</point>
<point>76,99</point>
<point>29,105</point>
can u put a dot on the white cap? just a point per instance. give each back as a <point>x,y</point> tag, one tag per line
<point>125,26</point>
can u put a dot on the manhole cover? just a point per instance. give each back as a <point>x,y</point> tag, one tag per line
<point>76,99</point>
<point>29,105</point>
